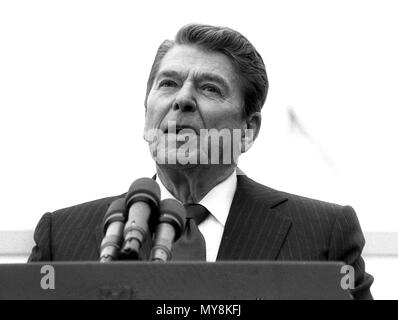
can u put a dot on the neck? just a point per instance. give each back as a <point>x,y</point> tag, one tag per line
<point>190,185</point>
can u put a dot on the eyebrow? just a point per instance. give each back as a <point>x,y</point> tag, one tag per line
<point>169,74</point>
<point>200,76</point>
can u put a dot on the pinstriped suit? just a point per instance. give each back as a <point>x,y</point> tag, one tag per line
<point>263,224</point>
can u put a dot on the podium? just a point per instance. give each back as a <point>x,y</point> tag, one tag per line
<point>226,280</point>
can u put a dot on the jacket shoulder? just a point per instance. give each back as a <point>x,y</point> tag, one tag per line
<point>90,208</point>
<point>70,233</point>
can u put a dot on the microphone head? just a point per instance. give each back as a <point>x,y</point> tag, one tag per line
<point>146,190</point>
<point>173,212</point>
<point>116,212</point>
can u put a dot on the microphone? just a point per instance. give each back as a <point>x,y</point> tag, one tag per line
<point>142,203</point>
<point>171,224</point>
<point>113,224</point>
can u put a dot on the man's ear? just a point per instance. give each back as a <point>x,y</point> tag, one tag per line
<point>253,124</point>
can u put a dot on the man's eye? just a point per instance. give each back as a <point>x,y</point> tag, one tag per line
<point>167,83</point>
<point>211,89</point>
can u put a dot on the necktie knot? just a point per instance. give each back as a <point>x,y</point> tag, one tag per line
<point>197,212</point>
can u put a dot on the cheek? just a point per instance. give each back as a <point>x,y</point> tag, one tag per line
<point>221,114</point>
<point>230,119</point>
<point>150,117</point>
<point>156,110</point>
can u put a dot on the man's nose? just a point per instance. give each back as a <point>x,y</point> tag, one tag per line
<point>185,100</point>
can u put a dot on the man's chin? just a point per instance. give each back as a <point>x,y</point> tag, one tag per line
<point>178,166</point>
<point>179,159</point>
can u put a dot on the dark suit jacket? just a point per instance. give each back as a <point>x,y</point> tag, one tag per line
<point>263,224</point>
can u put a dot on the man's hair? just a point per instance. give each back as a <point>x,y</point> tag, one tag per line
<point>247,62</point>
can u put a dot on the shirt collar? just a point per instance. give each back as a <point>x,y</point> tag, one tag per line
<point>218,200</point>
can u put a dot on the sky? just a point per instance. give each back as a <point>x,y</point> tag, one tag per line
<point>72,85</point>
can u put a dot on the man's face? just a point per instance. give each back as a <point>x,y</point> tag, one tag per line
<point>194,89</point>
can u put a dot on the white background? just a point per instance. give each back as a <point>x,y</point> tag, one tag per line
<point>72,84</point>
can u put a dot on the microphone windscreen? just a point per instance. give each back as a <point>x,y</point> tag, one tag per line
<point>116,212</point>
<point>173,212</point>
<point>143,189</point>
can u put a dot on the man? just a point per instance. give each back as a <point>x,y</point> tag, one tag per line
<point>211,80</point>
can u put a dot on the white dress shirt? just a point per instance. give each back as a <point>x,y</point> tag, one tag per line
<point>218,202</point>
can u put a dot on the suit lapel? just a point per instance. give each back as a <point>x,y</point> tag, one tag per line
<point>255,228</point>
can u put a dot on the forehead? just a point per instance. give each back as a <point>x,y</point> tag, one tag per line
<point>192,59</point>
